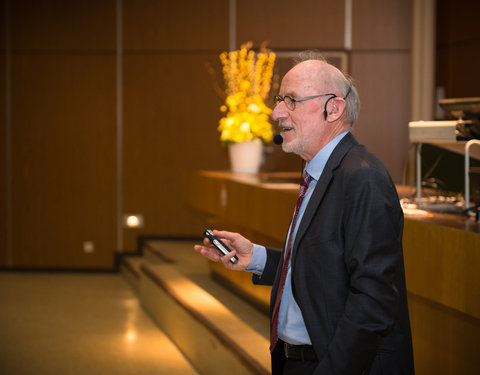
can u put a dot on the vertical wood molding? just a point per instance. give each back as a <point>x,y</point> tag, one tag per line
<point>423,60</point>
<point>348,25</point>
<point>119,100</point>
<point>232,25</point>
<point>8,134</point>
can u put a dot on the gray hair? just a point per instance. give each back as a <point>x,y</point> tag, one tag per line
<point>339,81</point>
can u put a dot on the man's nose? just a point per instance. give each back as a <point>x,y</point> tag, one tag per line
<point>279,112</point>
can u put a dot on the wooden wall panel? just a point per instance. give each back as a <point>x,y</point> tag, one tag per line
<point>292,26</point>
<point>189,25</point>
<point>170,110</point>
<point>173,89</point>
<point>381,24</point>
<point>384,95</point>
<point>63,142</point>
<point>63,25</point>
<point>171,114</point>
<point>380,65</point>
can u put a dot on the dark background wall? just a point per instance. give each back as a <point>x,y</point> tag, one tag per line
<point>106,105</point>
<point>457,75</point>
<point>458,48</point>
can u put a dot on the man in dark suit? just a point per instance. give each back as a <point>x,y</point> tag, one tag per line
<point>338,303</point>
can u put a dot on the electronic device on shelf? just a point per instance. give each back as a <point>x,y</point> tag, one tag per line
<point>458,132</point>
<point>461,123</point>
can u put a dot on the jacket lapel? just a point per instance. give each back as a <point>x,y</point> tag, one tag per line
<point>333,162</point>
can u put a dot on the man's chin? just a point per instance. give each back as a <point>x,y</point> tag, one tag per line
<point>288,147</point>
<point>293,146</point>
<point>285,148</point>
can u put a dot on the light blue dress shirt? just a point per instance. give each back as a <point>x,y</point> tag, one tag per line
<point>291,327</point>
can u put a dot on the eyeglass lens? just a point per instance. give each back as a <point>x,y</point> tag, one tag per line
<point>289,102</point>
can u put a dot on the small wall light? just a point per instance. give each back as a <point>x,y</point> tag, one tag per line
<point>133,221</point>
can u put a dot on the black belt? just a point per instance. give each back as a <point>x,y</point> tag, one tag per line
<point>299,352</point>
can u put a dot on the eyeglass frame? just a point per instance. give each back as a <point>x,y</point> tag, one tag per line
<point>277,98</point>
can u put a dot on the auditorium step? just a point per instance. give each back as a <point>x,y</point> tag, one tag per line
<point>215,329</point>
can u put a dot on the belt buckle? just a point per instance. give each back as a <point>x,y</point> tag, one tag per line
<point>286,346</point>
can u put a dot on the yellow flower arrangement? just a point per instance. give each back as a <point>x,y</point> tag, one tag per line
<point>247,77</point>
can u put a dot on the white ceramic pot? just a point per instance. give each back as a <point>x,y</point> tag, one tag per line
<point>245,157</point>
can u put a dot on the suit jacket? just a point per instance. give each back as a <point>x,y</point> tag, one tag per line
<point>347,269</point>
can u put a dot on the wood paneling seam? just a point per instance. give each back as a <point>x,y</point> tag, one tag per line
<point>232,25</point>
<point>119,90</point>
<point>348,25</point>
<point>8,130</point>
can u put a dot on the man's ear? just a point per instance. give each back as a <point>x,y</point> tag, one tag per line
<point>334,109</point>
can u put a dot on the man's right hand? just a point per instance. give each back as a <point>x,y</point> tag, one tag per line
<point>240,246</point>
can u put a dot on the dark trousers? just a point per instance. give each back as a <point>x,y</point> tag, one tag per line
<point>294,367</point>
<point>284,366</point>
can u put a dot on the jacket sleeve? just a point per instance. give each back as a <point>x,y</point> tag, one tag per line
<point>373,225</point>
<point>274,256</point>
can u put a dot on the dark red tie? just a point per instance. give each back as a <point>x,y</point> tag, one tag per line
<point>274,324</point>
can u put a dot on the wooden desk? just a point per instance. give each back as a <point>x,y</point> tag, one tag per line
<point>442,262</point>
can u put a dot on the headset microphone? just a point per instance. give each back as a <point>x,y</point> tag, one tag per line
<point>278,139</point>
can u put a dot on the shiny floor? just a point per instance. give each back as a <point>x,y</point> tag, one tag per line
<point>76,324</point>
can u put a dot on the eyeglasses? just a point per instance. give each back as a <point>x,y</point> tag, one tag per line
<point>290,101</point>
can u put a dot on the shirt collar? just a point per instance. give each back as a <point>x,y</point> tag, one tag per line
<point>315,166</point>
